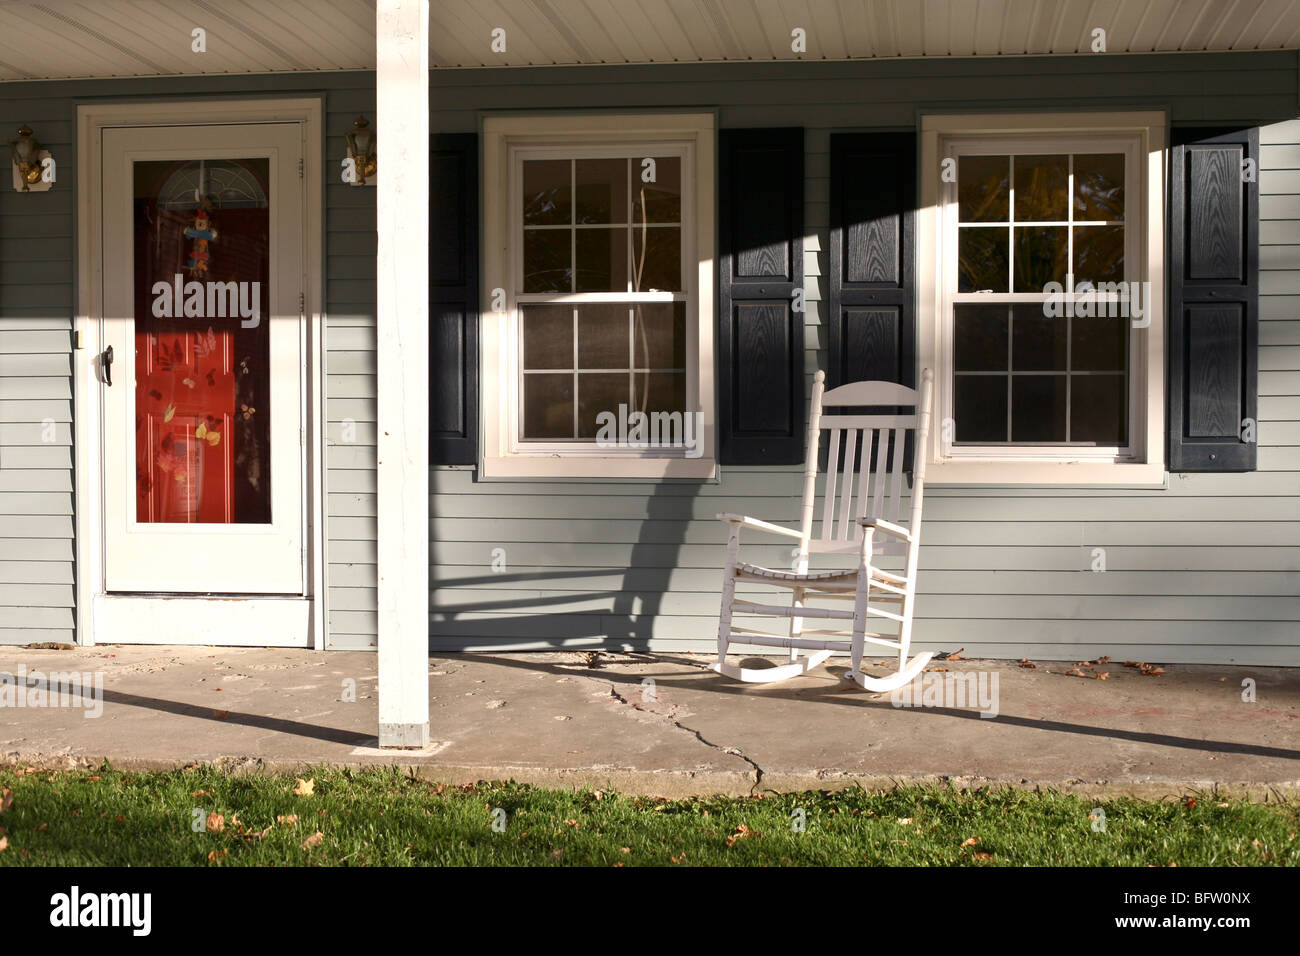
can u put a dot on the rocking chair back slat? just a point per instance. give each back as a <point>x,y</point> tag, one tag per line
<point>896,479</point>
<point>832,473</point>
<point>864,478</point>
<point>847,517</point>
<point>882,451</point>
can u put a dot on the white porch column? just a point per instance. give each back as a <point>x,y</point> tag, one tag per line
<point>402,139</point>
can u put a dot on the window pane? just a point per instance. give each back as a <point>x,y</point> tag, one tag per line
<point>1099,344</point>
<point>602,260</point>
<point>1041,254</point>
<point>657,259</point>
<point>980,408</point>
<point>660,392</point>
<point>546,260</point>
<point>1099,186</point>
<point>982,260</point>
<point>981,338</point>
<point>1098,254</point>
<point>602,190</point>
<point>202,389</point>
<point>548,406</point>
<point>1098,410</point>
<point>1038,408</point>
<point>660,335</point>
<point>548,336</point>
<point>983,188</point>
<point>547,193</point>
<point>1037,341</point>
<point>597,393</point>
<point>1041,184</point>
<point>661,200</point>
<point>603,336</point>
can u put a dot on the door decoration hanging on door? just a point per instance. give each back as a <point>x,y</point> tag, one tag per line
<point>202,369</point>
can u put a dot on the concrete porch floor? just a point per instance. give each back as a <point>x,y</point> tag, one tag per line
<point>550,719</point>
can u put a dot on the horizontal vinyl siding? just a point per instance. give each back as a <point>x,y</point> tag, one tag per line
<point>1205,571</point>
<point>36,476</point>
<point>37,296</point>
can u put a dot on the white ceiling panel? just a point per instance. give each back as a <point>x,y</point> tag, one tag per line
<point>56,39</point>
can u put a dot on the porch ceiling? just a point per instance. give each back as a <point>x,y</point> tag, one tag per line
<point>56,39</point>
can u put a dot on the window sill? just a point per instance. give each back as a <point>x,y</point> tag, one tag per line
<point>538,466</point>
<point>1071,473</point>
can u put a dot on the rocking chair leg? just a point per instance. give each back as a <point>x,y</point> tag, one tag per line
<point>728,597</point>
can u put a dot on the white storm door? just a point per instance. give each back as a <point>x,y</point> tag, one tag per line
<point>203,422</point>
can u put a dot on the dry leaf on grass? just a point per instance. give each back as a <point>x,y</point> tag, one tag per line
<point>287,819</point>
<point>316,839</point>
<point>971,842</point>
<point>6,799</point>
<point>215,854</point>
<point>4,844</point>
<point>677,859</point>
<point>201,793</point>
<point>742,831</point>
<point>216,822</point>
<point>983,856</point>
<point>304,788</point>
<point>904,821</point>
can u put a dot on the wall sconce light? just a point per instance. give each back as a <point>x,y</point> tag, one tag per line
<point>360,166</point>
<point>33,165</point>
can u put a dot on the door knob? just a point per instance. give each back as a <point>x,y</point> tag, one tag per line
<point>106,362</point>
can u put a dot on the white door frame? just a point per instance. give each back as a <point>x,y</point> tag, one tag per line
<point>102,618</point>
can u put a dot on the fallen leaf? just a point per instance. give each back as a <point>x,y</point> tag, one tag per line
<point>983,856</point>
<point>1075,672</point>
<point>1102,676</point>
<point>1222,806</point>
<point>288,819</point>
<point>971,842</point>
<point>201,793</point>
<point>1151,670</point>
<point>304,788</point>
<point>625,849</point>
<point>572,823</point>
<point>6,799</point>
<point>905,821</point>
<point>4,844</point>
<point>1026,662</point>
<point>214,854</point>
<point>316,839</point>
<point>1189,803</point>
<point>170,413</point>
<point>678,859</point>
<point>216,822</point>
<point>742,831</point>
<point>1103,660</point>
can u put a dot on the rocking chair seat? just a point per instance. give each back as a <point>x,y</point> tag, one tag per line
<point>834,578</point>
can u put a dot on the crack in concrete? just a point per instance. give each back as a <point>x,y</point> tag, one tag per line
<point>677,724</point>
<point>733,751</point>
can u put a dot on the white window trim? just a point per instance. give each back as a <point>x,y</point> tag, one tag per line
<point>501,456</point>
<point>1144,463</point>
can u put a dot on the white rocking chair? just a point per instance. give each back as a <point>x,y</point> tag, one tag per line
<point>869,529</point>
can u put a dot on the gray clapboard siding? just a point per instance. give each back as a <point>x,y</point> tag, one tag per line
<point>1207,569</point>
<point>37,292</point>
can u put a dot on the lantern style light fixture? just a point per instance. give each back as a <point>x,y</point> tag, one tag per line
<point>27,154</point>
<point>361,150</point>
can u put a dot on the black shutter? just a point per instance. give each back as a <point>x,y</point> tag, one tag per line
<point>872,298</point>
<point>872,309</point>
<point>760,335</point>
<point>1213,299</point>
<point>453,299</point>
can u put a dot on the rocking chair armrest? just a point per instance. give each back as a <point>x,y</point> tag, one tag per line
<point>748,522</point>
<point>888,527</point>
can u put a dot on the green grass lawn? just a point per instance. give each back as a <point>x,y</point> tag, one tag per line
<point>383,817</point>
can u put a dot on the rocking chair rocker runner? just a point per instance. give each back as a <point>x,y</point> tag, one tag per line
<point>869,529</point>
